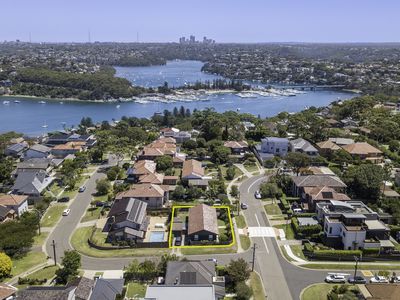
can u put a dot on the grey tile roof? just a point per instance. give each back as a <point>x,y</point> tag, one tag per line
<point>107,289</point>
<point>203,270</point>
<point>318,180</point>
<point>40,148</point>
<point>303,144</point>
<point>31,182</point>
<point>84,287</point>
<point>45,293</point>
<point>168,292</point>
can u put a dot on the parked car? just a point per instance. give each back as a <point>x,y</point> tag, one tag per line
<point>357,280</point>
<point>257,195</point>
<point>107,205</point>
<point>66,212</point>
<point>395,279</point>
<point>63,199</point>
<point>82,189</point>
<point>99,204</point>
<point>379,279</point>
<point>335,278</point>
<point>213,260</point>
<point>243,206</point>
<point>297,210</point>
<point>178,241</point>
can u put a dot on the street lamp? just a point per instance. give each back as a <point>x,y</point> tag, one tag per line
<point>355,268</point>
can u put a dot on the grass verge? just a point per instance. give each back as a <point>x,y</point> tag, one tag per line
<point>256,287</point>
<point>333,266</point>
<point>240,221</point>
<point>272,209</point>
<point>38,240</point>
<point>244,241</point>
<point>27,262</point>
<point>205,251</point>
<point>288,230</point>
<point>52,215</point>
<point>316,291</point>
<point>92,213</point>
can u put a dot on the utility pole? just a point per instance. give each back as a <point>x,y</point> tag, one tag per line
<point>355,268</point>
<point>254,257</point>
<point>53,244</point>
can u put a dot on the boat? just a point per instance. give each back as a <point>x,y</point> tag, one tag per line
<point>6,102</point>
<point>118,106</point>
<point>42,102</point>
<point>44,125</point>
<point>61,102</point>
<point>17,101</point>
<point>238,109</point>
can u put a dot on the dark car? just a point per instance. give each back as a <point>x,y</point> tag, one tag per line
<point>99,204</point>
<point>63,199</point>
<point>107,205</point>
<point>357,280</point>
<point>178,241</point>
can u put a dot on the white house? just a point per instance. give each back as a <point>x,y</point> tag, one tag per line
<point>18,203</point>
<point>275,145</point>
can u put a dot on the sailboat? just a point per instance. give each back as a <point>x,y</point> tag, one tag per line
<point>44,125</point>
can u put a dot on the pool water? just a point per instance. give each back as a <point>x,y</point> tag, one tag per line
<point>157,236</point>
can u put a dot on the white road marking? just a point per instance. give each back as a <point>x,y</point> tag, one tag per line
<point>248,190</point>
<point>259,225</point>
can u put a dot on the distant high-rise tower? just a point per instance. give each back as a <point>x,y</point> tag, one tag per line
<point>192,39</point>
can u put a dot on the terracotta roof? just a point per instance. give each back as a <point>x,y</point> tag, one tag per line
<point>380,291</point>
<point>144,167</point>
<point>318,180</point>
<point>202,217</point>
<point>12,199</point>
<point>70,146</point>
<point>143,190</point>
<point>167,140</point>
<point>154,178</point>
<point>192,166</point>
<point>236,144</point>
<point>361,149</point>
<point>328,145</point>
<point>6,290</point>
<point>324,193</point>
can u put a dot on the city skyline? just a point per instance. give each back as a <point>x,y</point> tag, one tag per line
<point>255,21</point>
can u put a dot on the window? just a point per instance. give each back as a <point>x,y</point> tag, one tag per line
<point>196,237</point>
<point>330,230</point>
<point>210,237</point>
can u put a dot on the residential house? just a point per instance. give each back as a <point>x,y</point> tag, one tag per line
<point>127,220</point>
<point>301,182</point>
<point>6,214</point>
<point>59,138</point>
<point>178,160</point>
<point>157,149</point>
<point>7,292</point>
<point>169,132</point>
<point>107,289</point>
<point>16,150</point>
<point>237,147</point>
<point>313,170</point>
<point>349,122</point>
<point>192,169</point>
<point>314,195</point>
<point>38,164</point>
<point>327,147</point>
<point>18,203</point>
<point>31,183</point>
<point>364,151</point>
<point>302,146</point>
<point>271,146</point>
<point>37,151</point>
<point>182,136</point>
<point>248,126</point>
<point>202,223</point>
<point>180,292</point>
<point>154,195</point>
<point>141,168</point>
<point>63,150</point>
<point>341,141</point>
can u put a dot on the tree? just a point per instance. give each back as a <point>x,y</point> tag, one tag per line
<point>103,186</point>
<point>132,272</point>
<point>364,181</point>
<point>243,291</point>
<point>114,173</point>
<point>97,155</point>
<point>5,265</point>
<point>179,193</point>
<point>238,270</point>
<point>16,237</point>
<point>71,262</point>
<point>394,146</point>
<point>189,144</point>
<point>230,173</point>
<point>164,162</point>
<point>148,270</point>
<point>297,160</point>
<point>220,154</point>
<point>270,190</point>
<point>234,191</point>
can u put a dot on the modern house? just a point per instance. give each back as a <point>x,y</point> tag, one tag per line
<point>202,223</point>
<point>31,183</point>
<point>302,146</point>
<point>17,203</point>
<point>182,136</point>
<point>7,292</point>
<point>237,147</point>
<point>301,182</point>
<point>314,195</point>
<point>192,169</point>
<point>127,220</point>
<point>59,138</point>
<point>37,151</point>
<point>364,151</point>
<point>154,195</point>
<point>271,146</point>
<point>169,132</point>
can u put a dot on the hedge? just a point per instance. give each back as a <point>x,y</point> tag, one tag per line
<point>371,251</point>
<point>394,229</point>
<point>338,253</point>
<point>305,231</point>
<point>285,204</point>
<point>308,247</point>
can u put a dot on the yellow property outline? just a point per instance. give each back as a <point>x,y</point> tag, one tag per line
<point>201,246</point>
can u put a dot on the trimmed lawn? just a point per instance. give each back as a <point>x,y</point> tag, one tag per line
<point>256,287</point>
<point>272,209</point>
<point>92,213</point>
<point>52,215</point>
<point>38,240</point>
<point>102,198</point>
<point>298,251</point>
<point>288,230</point>
<point>244,241</point>
<point>240,221</point>
<point>55,188</point>
<point>46,273</point>
<point>333,266</point>
<point>28,261</point>
<point>221,222</point>
<point>79,243</point>
<point>207,250</point>
<point>317,291</point>
<point>135,290</point>
<point>251,168</point>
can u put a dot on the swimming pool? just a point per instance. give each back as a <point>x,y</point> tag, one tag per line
<point>157,236</point>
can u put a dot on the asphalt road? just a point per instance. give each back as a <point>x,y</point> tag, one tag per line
<point>281,279</point>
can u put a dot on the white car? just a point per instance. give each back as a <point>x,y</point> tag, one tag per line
<point>257,195</point>
<point>379,279</point>
<point>66,212</point>
<point>335,278</point>
<point>396,279</point>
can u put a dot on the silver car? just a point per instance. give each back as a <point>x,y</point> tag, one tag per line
<point>334,278</point>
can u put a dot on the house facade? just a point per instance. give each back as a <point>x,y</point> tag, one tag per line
<point>18,203</point>
<point>154,195</point>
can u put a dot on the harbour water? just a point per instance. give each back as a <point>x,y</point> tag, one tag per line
<point>28,116</point>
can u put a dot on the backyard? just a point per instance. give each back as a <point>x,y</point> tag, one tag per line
<point>135,290</point>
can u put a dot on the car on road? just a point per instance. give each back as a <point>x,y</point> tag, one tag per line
<point>243,206</point>
<point>213,260</point>
<point>82,189</point>
<point>357,280</point>
<point>335,278</point>
<point>379,279</point>
<point>66,212</point>
<point>257,195</point>
<point>63,199</point>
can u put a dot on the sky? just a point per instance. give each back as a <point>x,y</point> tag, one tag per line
<point>246,21</point>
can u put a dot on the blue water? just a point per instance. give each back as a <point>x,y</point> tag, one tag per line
<point>157,236</point>
<point>28,116</point>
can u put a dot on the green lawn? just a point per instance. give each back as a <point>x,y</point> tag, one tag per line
<point>272,209</point>
<point>240,221</point>
<point>298,251</point>
<point>28,261</point>
<point>79,243</point>
<point>72,193</point>
<point>92,213</point>
<point>102,198</point>
<point>221,222</point>
<point>256,287</point>
<point>244,241</point>
<point>208,250</point>
<point>55,188</point>
<point>46,273</point>
<point>316,292</point>
<point>288,230</point>
<point>251,168</point>
<point>38,240</point>
<point>52,215</point>
<point>135,290</point>
<point>333,266</point>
